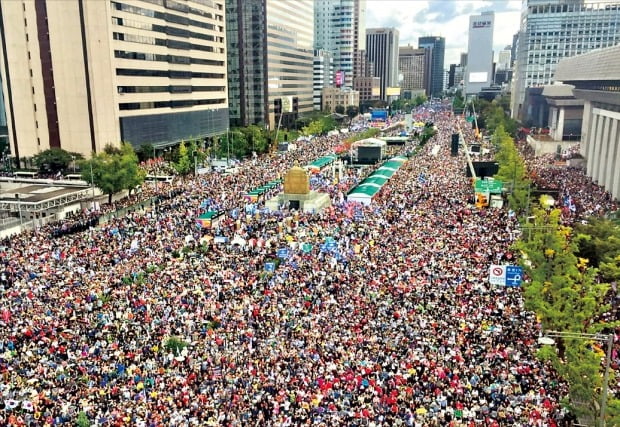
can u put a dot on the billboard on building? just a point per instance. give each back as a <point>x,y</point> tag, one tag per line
<point>287,104</point>
<point>339,78</point>
<point>478,77</point>
<point>392,91</point>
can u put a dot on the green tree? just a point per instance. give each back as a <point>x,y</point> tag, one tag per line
<point>114,170</point>
<point>328,123</point>
<point>185,162</point>
<point>458,102</point>
<point>419,100</point>
<point>145,152</point>
<point>352,111</point>
<point>256,139</point>
<point>599,242</point>
<point>339,109</point>
<point>314,128</point>
<point>563,291</point>
<point>512,170</point>
<point>55,160</point>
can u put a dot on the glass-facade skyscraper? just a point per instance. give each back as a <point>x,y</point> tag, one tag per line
<point>555,29</point>
<point>247,61</point>
<point>437,47</point>
<point>270,60</point>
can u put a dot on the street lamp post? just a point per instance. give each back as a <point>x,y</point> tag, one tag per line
<point>195,162</point>
<point>548,338</point>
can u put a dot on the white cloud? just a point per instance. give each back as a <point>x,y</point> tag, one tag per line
<point>446,18</point>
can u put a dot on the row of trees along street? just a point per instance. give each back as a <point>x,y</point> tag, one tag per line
<point>569,275</point>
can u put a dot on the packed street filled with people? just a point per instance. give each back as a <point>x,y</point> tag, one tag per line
<point>152,320</point>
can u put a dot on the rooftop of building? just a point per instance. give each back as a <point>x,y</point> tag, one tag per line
<point>599,64</point>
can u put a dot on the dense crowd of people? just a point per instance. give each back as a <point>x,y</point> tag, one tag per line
<point>378,315</point>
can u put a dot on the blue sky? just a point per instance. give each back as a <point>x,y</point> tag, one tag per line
<point>446,18</point>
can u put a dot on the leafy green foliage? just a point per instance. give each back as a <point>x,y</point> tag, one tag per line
<point>313,128</point>
<point>512,169</point>
<point>599,242</point>
<point>564,292</point>
<point>175,345</point>
<point>492,115</point>
<point>339,109</point>
<point>184,163</point>
<point>352,111</point>
<point>458,102</point>
<point>145,152</point>
<point>55,160</point>
<point>114,170</point>
<point>82,420</point>
<point>561,290</point>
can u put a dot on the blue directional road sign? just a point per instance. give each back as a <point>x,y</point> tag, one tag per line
<point>514,276</point>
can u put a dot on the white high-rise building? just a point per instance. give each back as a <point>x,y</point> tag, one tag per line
<point>323,75</point>
<point>555,29</point>
<point>503,59</point>
<point>340,27</point>
<point>479,72</point>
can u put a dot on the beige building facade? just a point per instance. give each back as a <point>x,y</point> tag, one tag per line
<point>80,74</point>
<point>332,97</point>
<point>413,64</point>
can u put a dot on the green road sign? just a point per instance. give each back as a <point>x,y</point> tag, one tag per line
<point>488,186</point>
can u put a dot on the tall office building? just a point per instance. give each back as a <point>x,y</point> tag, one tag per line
<point>382,51</point>
<point>503,58</point>
<point>290,36</point>
<point>479,72</point>
<point>82,74</point>
<point>437,47</point>
<point>323,75</point>
<point>271,73</point>
<point>340,27</point>
<point>555,29</point>
<point>412,65</point>
<point>246,27</point>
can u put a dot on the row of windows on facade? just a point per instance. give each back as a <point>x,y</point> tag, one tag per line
<point>166,29</point>
<point>164,15</point>
<point>540,45</point>
<point>171,4</point>
<point>169,89</point>
<point>554,34</point>
<point>169,104</point>
<point>173,74</point>
<point>172,44</point>
<point>572,8</point>
<point>172,59</point>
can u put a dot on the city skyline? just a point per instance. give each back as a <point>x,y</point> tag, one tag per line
<point>446,18</point>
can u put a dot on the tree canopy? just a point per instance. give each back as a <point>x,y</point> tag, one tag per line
<point>113,170</point>
<point>55,160</point>
<point>563,290</point>
<point>512,169</point>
